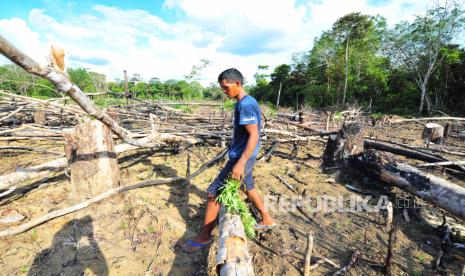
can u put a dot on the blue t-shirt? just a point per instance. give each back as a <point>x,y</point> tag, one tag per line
<point>246,112</point>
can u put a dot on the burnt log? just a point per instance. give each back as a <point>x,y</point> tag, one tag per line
<point>433,189</point>
<point>346,143</point>
<point>412,153</point>
<point>346,148</point>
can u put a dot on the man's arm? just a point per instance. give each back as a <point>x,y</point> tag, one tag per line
<point>238,169</point>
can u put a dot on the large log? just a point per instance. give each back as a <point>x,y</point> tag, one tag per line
<point>385,167</point>
<point>411,153</point>
<point>92,159</point>
<point>430,188</point>
<point>233,256</point>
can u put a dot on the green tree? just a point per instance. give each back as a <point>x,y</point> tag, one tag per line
<point>416,46</point>
<point>82,78</point>
<point>351,26</point>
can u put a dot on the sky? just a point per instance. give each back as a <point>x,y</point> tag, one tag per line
<point>164,39</point>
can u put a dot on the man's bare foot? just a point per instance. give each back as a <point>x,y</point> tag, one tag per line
<point>266,223</point>
<point>267,220</point>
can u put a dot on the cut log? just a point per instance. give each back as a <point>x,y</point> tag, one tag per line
<point>433,133</point>
<point>430,188</point>
<point>411,153</point>
<point>233,256</point>
<point>92,159</point>
<point>429,119</point>
<point>447,163</point>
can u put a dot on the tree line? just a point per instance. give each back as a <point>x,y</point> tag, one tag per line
<point>16,80</point>
<point>411,68</point>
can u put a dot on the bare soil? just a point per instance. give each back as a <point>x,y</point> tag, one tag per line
<point>139,232</point>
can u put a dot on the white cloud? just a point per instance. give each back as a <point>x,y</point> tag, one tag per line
<point>241,34</point>
<point>22,37</point>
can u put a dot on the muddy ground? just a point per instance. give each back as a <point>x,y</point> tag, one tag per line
<point>139,232</point>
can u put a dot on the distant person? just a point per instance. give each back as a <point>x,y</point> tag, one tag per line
<point>242,155</point>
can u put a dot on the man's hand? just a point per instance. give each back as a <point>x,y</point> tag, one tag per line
<point>238,170</point>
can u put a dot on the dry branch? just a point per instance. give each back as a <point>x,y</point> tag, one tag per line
<point>389,255</point>
<point>63,84</point>
<point>46,169</point>
<point>308,254</point>
<point>411,153</point>
<point>428,119</point>
<point>351,262</point>
<point>30,149</point>
<point>209,164</point>
<point>13,113</point>
<point>447,163</point>
<point>289,186</point>
<point>61,212</point>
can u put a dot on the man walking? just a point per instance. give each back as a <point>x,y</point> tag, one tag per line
<point>242,155</point>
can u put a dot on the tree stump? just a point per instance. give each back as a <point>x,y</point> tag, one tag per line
<point>302,118</point>
<point>433,133</point>
<point>92,159</point>
<point>39,117</point>
<point>348,142</point>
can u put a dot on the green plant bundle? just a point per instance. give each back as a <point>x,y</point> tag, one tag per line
<point>230,199</point>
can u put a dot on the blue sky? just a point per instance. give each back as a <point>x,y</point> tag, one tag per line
<point>165,39</point>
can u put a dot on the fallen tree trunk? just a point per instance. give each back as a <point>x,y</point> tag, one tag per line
<point>447,163</point>
<point>54,72</point>
<point>385,167</point>
<point>233,256</point>
<point>433,189</point>
<point>415,154</point>
<point>429,119</point>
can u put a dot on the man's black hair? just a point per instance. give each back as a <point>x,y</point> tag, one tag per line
<point>231,75</point>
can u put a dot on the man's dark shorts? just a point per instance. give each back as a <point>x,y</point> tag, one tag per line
<point>225,172</point>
